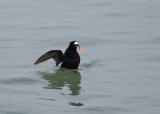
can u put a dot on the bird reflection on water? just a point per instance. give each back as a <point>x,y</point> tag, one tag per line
<point>63,77</point>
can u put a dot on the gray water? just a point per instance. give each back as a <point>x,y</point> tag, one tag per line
<point>120,64</point>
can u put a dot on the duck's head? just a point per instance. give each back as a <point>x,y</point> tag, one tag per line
<point>75,45</point>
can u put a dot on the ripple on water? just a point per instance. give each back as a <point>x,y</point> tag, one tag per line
<point>109,109</point>
<point>89,64</point>
<point>154,59</point>
<point>20,80</point>
<point>76,103</point>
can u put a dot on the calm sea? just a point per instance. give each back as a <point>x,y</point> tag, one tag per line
<point>120,64</point>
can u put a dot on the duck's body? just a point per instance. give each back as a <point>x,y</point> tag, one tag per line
<point>70,59</point>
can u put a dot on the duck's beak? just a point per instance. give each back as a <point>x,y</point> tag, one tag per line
<point>79,48</point>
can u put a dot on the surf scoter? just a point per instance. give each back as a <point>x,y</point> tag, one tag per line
<point>70,59</point>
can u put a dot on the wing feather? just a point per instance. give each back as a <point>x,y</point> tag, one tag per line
<point>57,55</point>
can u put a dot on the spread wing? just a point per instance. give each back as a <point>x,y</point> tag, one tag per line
<point>57,55</point>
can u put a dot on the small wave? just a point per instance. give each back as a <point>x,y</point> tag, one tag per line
<point>76,103</point>
<point>89,64</point>
<point>21,80</point>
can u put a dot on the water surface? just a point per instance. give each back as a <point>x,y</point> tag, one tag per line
<point>119,70</point>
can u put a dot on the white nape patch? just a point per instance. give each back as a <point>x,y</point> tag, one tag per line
<point>75,42</point>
